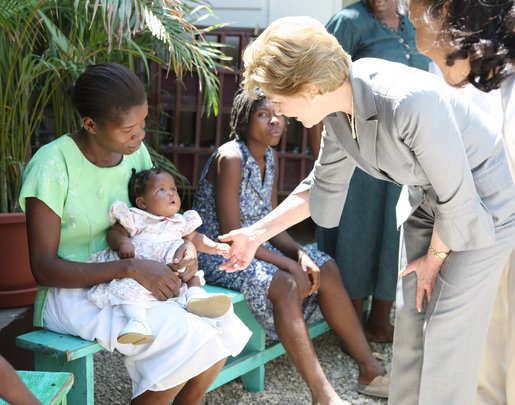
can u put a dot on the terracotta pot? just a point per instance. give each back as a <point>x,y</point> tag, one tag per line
<point>17,286</point>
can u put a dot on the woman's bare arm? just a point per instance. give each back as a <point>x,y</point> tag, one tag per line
<point>44,233</point>
<point>245,241</point>
<point>225,174</point>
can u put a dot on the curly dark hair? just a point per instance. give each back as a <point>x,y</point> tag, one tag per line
<point>243,107</point>
<point>483,30</point>
<point>138,182</point>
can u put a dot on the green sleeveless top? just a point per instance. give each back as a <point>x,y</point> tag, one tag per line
<point>80,193</point>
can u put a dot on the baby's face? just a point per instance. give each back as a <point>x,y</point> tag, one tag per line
<point>161,197</point>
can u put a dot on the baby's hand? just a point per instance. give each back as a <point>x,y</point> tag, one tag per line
<point>223,249</point>
<point>126,250</point>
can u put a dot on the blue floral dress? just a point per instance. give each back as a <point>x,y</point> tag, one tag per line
<point>255,203</point>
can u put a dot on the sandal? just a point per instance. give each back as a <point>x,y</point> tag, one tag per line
<point>378,387</point>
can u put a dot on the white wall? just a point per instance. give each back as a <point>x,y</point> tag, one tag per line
<point>260,13</point>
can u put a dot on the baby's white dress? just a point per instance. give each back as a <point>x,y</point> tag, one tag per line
<point>154,238</point>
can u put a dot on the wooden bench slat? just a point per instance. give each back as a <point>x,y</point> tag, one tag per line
<point>234,295</point>
<point>49,388</point>
<point>62,347</point>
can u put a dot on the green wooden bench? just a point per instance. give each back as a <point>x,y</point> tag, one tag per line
<point>49,388</point>
<point>57,352</point>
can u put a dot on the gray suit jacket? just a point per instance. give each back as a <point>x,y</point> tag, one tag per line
<point>414,130</point>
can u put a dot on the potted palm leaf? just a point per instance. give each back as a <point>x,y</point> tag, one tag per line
<point>44,46</point>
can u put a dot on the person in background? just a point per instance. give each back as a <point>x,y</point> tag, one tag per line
<point>368,261</point>
<point>473,45</point>
<point>68,187</point>
<point>286,282</point>
<point>457,208</point>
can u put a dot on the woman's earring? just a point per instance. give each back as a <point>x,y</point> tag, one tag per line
<point>314,100</point>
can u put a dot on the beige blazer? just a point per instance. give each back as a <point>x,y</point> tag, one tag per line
<point>414,130</point>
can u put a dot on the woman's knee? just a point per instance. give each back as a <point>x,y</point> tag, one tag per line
<point>330,275</point>
<point>283,287</point>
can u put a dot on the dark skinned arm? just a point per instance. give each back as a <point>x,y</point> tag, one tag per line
<point>44,233</point>
<point>12,389</point>
<point>206,245</point>
<point>119,240</point>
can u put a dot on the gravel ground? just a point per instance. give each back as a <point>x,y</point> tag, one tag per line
<point>283,384</point>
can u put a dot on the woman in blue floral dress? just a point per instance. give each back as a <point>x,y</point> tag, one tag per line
<point>285,282</point>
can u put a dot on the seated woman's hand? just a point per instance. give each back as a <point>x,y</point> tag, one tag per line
<point>302,278</point>
<point>312,271</point>
<point>243,248</point>
<point>185,257</point>
<point>156,277</point>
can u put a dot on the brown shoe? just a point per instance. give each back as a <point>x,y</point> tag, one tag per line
<point>378,387</point>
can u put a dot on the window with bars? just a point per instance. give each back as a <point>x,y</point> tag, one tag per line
<point>188,138</point>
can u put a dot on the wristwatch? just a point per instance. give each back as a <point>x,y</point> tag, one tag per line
<point>440,255</point>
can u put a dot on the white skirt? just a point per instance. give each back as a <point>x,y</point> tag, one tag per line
<point>184,344</point>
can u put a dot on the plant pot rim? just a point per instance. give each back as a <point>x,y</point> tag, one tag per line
<point>12,217</point>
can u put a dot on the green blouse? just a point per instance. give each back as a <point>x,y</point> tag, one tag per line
<point>80,193</point>
<point>362,35</point>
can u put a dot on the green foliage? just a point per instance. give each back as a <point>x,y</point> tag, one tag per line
<point>46,44</point>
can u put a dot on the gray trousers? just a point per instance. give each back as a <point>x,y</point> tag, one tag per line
<point>437,353</point>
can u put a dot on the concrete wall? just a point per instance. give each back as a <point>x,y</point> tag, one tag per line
<point>260,13</point>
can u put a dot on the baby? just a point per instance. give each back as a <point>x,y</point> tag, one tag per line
<point>153,231</point>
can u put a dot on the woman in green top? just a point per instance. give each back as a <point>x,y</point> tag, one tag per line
<point>366,243</point>
<point>68,188</point>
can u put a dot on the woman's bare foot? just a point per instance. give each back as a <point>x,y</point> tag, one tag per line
<point>367,372</point>
<point>374,380</point>
<point>378,327</point>
<point>328,398</point>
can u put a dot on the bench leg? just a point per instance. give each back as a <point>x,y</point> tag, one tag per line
<point>254,380</point>
<point>82,392</point>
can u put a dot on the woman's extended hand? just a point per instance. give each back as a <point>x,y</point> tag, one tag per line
<point>312,270</point>
<point>185,257</point>
<point>243,249</point>
<point>427,268</point>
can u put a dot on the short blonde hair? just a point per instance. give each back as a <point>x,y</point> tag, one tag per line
<point>292,54</point>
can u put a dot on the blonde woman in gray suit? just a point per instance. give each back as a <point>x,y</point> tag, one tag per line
<point>457,210</point>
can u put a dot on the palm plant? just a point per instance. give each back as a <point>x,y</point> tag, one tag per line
<point>46,44</point>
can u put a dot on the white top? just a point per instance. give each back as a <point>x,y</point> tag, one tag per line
<point>498,104</point>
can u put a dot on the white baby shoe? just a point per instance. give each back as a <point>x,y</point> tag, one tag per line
<point>200,303</point>
<point>136,332</point>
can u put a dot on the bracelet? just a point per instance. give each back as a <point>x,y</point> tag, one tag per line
<point>440,255</point>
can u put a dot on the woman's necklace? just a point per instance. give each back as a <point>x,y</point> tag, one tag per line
<point>352,121</point>
<point>394,23</point>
